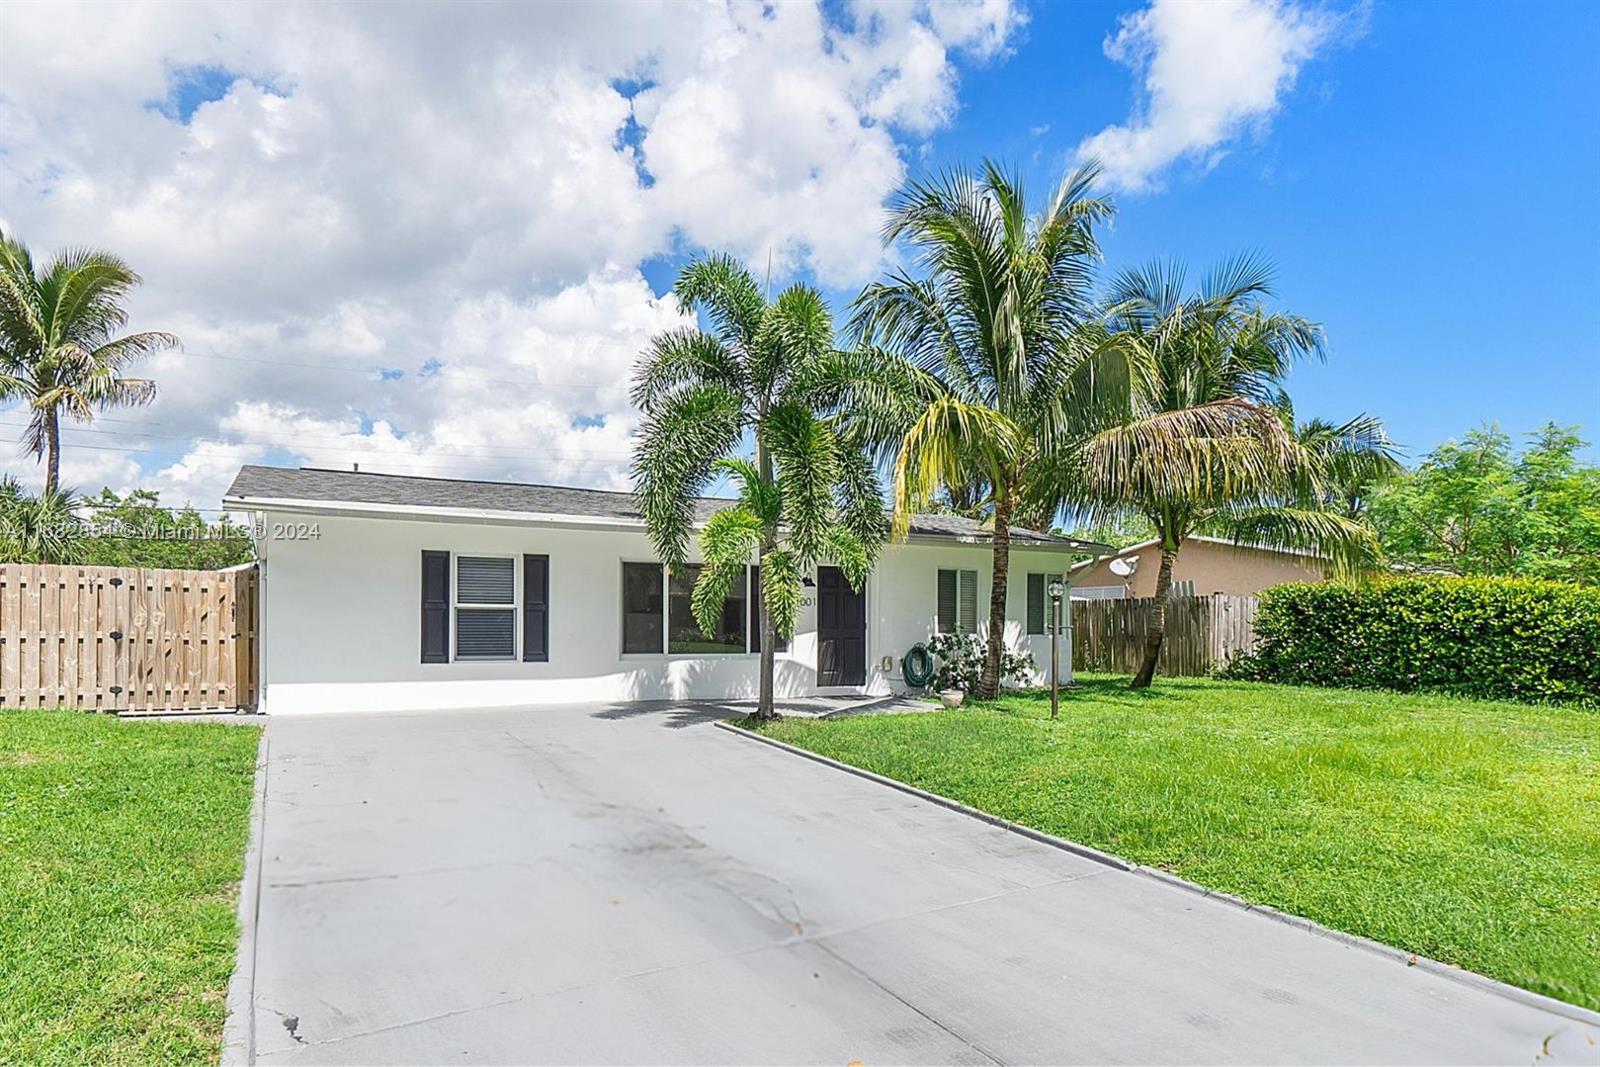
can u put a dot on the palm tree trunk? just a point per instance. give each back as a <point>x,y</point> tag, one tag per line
<point>52,450</point>
<point>989,680</point>
<point>1158,620</point>
<point>769,636</point>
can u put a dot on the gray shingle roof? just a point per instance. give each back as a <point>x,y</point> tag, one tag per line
<point>333,487</point>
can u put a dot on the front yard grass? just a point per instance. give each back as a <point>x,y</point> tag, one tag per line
<point>121,848</point>
<point>1467,831</point>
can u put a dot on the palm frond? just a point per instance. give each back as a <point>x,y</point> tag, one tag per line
<point>675,456</point>
<point>952,444</point>
<point>1208,453</point>
<point>847,552</point>
<point>760,496</point>
<point>1350,546</point>
<point>725,291</point>
<point>875,397</point>
<point>683,357</point>
<point>780,589</point>
<point>807,455</point>
<point>860,501</point>
<point>1237,279</point>
<point>727,543</point>
<point>795,333</point>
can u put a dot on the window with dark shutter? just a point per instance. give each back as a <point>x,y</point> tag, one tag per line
<point>958,602</point>
<point>1039,602</point>
<point>967,602</point>
<point>435,607</point>
<point>486,616</point>
<point>535,609</point>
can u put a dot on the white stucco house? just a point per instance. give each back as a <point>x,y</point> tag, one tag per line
<point>387,592</point>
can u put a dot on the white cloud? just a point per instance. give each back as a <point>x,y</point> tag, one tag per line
<point>410,235</point>
<point>1210,71</point>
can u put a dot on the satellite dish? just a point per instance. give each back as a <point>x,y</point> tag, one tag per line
<point>1124,567</point>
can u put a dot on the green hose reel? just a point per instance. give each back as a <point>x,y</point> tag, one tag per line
<point>917,666</point>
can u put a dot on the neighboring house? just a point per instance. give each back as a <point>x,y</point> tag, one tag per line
<point>388,592</point>
<point>1205,565</point>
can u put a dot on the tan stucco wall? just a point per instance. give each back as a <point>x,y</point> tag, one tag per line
<point>1212,567</point>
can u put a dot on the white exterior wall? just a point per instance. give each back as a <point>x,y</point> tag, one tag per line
<point>341,628</point>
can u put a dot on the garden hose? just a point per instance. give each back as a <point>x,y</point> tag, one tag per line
<point>917,666</point>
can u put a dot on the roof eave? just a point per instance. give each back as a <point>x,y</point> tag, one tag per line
<point>492,516</point>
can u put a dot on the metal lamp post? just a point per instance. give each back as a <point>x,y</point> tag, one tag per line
<point>1057,588</point>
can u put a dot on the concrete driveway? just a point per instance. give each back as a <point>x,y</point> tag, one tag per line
<point>589,885</point>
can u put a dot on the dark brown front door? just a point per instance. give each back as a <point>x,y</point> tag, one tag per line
<point>841,630</point>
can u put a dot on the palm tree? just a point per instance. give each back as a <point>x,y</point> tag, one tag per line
<point>38,529</point>
<point>58,343</point>
<point>760,370</point>
<point>1208,444</point>
<point>974,374</point>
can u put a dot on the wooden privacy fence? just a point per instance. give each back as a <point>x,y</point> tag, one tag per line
<point>1202,631</point>
<point>127,639</point>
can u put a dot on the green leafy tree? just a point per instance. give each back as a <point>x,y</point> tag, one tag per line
<point>1561,507</point>
<point>760,372</point>
<point>1119,529</point>
<point>39,528</point>
<point>1208,444</point>
<point>1475,507</point>
<point>974,376</point>
<point>60,348</point>
<point>136,531</point>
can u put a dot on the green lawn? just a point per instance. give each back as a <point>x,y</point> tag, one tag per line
<point>1463,830</point>
<point>121,848</point>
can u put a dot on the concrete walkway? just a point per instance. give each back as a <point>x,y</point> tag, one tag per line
<point>591,885</point>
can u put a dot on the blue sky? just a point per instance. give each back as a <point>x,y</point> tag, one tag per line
<point>1428,193</point>
<point>446,259</point>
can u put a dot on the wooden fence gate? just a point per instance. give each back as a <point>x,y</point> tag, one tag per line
<point>127,639</point>
<point>1202,631</point>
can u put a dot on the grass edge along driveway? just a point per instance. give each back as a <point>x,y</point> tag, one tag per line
<point>1463,830</point>
<point>121,849</point>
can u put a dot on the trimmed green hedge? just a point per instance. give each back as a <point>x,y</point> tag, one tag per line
<point>1485,637</point>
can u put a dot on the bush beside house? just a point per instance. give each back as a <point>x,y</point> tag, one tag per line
<point>1485,637</point>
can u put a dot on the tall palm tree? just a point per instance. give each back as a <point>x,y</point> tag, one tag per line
<point>974,374</point>
<point>759,371</point>
<point>59,343</point>
<point>1208,444</point>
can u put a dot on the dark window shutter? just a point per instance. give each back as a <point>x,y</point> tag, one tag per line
<point>1036,604</point>
<point>535,609</point>
<point>967,602</point>
<point>435,607</point>
<point>947,602</point>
